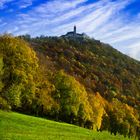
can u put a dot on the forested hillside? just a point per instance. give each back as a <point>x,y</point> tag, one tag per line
<point>76,80</point>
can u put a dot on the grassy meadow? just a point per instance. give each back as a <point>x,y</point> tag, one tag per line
<point>15,126</point>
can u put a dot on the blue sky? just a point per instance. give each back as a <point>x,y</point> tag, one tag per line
<point>116,22</point>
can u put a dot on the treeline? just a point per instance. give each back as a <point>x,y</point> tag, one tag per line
<point>66,80</point>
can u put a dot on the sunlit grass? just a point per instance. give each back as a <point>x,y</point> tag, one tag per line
<point>15,126</point>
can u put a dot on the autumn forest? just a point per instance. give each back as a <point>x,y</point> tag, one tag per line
<point>80,81</point>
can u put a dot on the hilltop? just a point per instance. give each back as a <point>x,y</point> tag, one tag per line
<point>98,66</point>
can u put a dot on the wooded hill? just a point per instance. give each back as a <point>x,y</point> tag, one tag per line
<point>76,80</point>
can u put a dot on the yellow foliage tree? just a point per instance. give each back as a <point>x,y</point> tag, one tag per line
<point>97,103</point>
<point>20,67</point>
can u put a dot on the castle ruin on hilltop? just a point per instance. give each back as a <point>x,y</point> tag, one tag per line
<point>74,34</point>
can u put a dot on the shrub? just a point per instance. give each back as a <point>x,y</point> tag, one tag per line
<point>4,105</point>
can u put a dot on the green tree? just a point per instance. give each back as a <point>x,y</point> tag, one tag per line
<point>13,95</point>
<point>72,98</point>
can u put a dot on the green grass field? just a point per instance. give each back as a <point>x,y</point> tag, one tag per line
<point>15,126</point>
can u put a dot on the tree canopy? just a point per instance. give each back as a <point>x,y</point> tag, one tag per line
<point>18,67</point>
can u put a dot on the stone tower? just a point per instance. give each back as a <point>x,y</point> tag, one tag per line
<point>74,30</point>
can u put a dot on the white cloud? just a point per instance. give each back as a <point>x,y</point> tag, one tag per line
<point>19,3</point>
<point>3,2</point>
<point>22,4</point>
<point>25,3</point>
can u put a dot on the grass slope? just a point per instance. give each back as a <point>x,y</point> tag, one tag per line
<point>14,126</point>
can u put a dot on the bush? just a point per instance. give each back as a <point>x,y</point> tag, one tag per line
<point>4,105</point>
